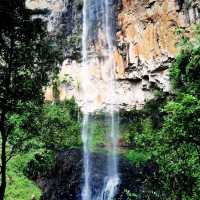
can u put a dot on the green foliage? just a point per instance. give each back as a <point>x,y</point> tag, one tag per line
<point>137,157</point>
<point>58,127</point>
<point>18,185</point>
<point>185,70</point>
<point>39,165</point>
<point>53,127</point>
<point>73,109</point>
<point>179,142</point>
<point>169,131</point>
<point>98,130</point>
<point>146,139</point>
<point>130,195</point>
<point>130,124</point>
<point>28,62</point>
<point>153,109</point>
<point>178,146</point>
<point>25,126</point>
<point>55,89</point>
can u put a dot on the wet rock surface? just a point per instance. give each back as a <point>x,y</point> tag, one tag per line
<point>65,180</point>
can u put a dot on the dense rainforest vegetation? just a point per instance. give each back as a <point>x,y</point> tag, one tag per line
<point>28,62</point>
<point>166,133</point>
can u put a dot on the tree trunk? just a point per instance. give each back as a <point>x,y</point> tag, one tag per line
<point>3,159</point>
<point>3,130</point>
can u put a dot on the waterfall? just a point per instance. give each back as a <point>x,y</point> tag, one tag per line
<point>86,192</point>
<point>98,28</point>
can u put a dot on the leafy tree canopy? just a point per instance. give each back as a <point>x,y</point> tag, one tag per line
<point>29,59</point>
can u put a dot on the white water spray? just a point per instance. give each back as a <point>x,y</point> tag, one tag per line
<point>86,192</point>
<point>104,24</point>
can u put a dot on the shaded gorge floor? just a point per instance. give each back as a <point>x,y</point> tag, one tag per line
<point>64,181</point>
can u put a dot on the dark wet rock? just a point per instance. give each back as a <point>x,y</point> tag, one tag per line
<point>65,180</point>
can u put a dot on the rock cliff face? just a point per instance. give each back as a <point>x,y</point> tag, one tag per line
<point>147,45</point>
<point>64,181</point>
<point>144,49</point>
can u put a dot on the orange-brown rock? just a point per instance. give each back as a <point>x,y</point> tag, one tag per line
<point>145,47</point>
<point>119,64</point>
<point>148,27</point>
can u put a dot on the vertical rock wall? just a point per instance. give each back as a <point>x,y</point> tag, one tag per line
<point>145,47</point>
<point>147,44</point>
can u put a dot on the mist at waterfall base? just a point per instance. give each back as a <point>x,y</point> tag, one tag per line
<point>97,46</point>
<point>101,179</point>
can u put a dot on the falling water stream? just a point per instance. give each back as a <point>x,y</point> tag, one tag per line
<point>97,17</point>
